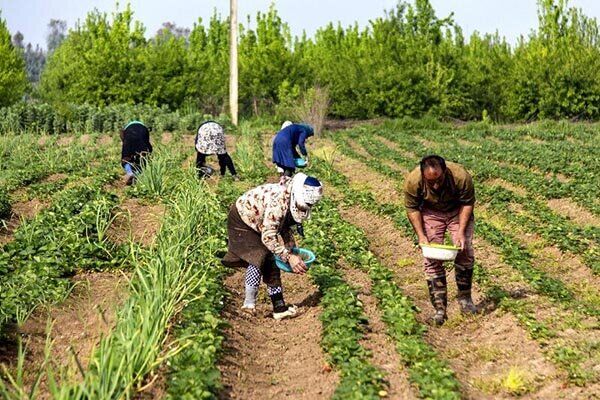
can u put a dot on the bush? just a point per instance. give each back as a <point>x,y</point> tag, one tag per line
<point>5,208</point>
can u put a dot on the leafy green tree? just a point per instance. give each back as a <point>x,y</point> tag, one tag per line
<point>265,61</point>
<point>555,71</point>
<point>163,77</point>
<point>98,63</point>
<point>207,65</point>
<point>13,78</point>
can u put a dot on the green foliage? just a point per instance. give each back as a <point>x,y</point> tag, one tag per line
<point>5,208</point>
<point>98,62</point>
<point>47,249</point>
<point>551,76</point>
<point>410,62</point>
<point>13,78</point>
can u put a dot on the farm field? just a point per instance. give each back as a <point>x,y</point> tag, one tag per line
<point>109,291</point>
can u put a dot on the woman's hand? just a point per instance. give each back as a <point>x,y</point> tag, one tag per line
<point>297,264</point>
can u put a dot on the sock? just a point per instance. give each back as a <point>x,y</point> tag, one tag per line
<point>252,282</point>
<point>276,295</point>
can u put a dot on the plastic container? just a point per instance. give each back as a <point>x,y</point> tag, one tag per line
<point>300,162</point>
<point>439,251</point>
<point>307,255</point>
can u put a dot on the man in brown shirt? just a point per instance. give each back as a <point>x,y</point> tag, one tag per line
<point>440,197</point>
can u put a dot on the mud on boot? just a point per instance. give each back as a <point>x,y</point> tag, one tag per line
<point>466,304</point>
<point>464,279</point>
<point>438,294</point>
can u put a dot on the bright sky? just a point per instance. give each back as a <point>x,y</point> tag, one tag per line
<point>510,17</point>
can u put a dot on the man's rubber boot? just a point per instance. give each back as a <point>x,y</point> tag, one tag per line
<point>438,294</point>
<point>464,279</point>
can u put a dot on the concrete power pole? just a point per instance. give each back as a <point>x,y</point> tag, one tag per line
<point>233,63</point>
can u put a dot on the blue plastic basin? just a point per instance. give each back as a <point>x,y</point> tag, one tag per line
<point>307,255</point>
<point>300,162</point>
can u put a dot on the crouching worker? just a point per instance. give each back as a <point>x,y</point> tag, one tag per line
<point>284,146</point>
<point>259,227</point>
<point>135,138</point>
<point>210,139</point>
<point>439,197</point>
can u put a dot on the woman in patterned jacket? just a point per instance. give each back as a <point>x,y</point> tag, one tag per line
<point>259,228</point>
<point>210,139</point>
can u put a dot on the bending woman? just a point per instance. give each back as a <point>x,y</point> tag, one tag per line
<point>136,145</point>
<point>210,139</point>
<point>284,146</point>
<point>259,228</point>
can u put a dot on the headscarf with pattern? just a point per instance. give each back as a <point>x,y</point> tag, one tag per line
<point>306,192</point>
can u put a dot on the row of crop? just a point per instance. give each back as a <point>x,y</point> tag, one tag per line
<point>548,155</point>
<point>538,218</point>
<point>343,320</point>
<point>431,375</point>
<point>511,251</point>
<point>48,248</point>
<point>581,187</point>
<point>584,190</point>
<point>25,161</point>
<point>38,118</point>
<point>199,324</point>
<point>178,270</point>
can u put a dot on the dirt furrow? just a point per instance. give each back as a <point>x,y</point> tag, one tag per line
<point>479,349</point>
<point>268,359</point>
<point>460,339</point>
<point>382,347</point>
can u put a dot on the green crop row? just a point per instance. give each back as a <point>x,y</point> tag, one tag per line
<point>510,249</point>
<point>48,248</point>
<point>431,375</point>
<point>479,159</point>
<point>556,230</point>
<point>26,161</point>
<point>173,273</point>
<point>512,252</point>
<point>342,318</point>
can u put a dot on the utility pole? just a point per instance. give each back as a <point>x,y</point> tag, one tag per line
<point>233,62</point>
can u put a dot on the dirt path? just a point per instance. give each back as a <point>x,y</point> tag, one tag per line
<point>77,326</point>
<point>268,359</point>
<point>573,211</point>
<point>481,349</point>
<point>136,221</point>
<point>20,210</point>
<point>377,341</point>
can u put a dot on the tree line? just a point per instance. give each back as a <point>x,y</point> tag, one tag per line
<point>408,62</point>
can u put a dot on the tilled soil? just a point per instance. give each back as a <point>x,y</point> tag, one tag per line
<point>75,327</point>
<point>382,347</point>
<point>136,221</point>
<point>269,359</point>
<point>569,209</point>
<point>542,381</point>
<point>480,349</point>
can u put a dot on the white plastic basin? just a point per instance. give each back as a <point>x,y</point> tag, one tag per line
<point>439,251</point>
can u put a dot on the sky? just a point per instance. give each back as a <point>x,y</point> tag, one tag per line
<point>511,18</point>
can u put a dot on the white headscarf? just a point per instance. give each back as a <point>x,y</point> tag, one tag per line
<point>286,124</point>
<point>303,197</point>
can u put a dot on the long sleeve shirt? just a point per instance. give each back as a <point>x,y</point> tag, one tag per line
<point>264,209</point>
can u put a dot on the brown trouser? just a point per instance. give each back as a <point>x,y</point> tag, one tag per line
<point>436,223</point>
<point>245,247</point>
